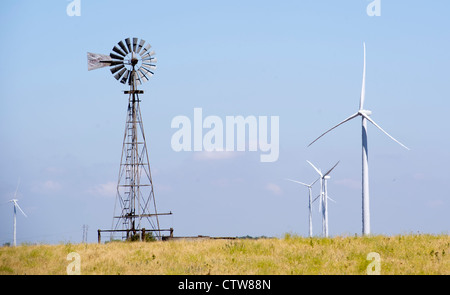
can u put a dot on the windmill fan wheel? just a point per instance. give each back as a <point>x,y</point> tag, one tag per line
<point>132,61</point>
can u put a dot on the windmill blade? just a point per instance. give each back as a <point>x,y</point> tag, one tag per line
<point>140,45</point>
<point>348,119</point>
<point>134,77</point>
<point>118,51</point>
<point>135,41</point>
<point>125,77</point>
<point>115,63</point>
<point>17,205</point>
<point>123,47</point>
<point>331,169</point>
<point>137,78</point>
<point>115,69</point>
<point>149,66</point>
<point>96,60</point>
<point>315,168</point>
<point>115,56</point>
<point>151,59</point>
<point>298,182</point>
<point>142,75</point>
<point>120,73</point>
<point>363,88</point>
<point>146,48</point>
<point>128,42</point>
<point>148,55</point>
<point>146,71</point>
<point>376,125</point>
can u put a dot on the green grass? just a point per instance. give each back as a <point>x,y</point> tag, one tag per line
<point>403,254</point>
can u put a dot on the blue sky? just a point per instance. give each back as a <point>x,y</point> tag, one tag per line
<point>62,126</point>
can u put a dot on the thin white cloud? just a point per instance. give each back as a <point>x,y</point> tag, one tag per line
<point>108,189</point>
<point>227,182</point>
<point>436,204</point>
<point>274,188</point>
<point>47,186</point>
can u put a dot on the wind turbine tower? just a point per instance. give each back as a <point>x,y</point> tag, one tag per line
<point>324,196</point>
<point>309,186</point>
<point>16,206</point>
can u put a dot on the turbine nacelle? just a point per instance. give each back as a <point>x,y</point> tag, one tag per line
<point>365,112</point>
<point>16,205</point>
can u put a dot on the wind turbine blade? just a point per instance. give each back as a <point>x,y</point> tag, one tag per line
<point>314,182</point>
<point>331,199</point>
<point>317,170</point>
<point>297,181</point>
<point>17,205</point>
<point>376,125</point>
<point>316,199</point>
<point>331,169</point>
<point>348,119</point>
<point>320,202</point>
<point>363,88</point>
<point>17,188</point>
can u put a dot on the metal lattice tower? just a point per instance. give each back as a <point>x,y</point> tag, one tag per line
<point>135,210</point>
<point>135,194</point>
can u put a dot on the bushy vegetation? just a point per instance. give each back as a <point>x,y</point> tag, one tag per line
<point>403,254</point>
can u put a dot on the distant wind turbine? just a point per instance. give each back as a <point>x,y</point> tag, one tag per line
<point>324,196</point>
<point>16,205</point>
<point>365,156</point>
<point>309,186</point>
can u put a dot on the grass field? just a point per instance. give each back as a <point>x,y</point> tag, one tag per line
<point>403,254</point>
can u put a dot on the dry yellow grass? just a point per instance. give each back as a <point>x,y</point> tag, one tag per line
<point>405,254</point>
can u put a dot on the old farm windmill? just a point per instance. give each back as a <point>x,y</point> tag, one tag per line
<point>132,63</point>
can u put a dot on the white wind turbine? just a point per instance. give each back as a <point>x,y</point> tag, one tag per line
<point>309,186</point>
<point>16,205</point>
<point>324,196</point>
<point>365,156</point>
